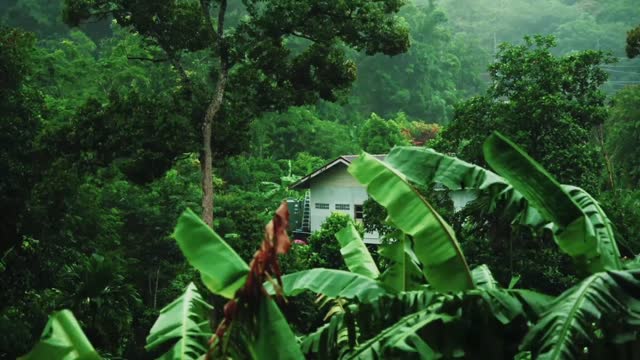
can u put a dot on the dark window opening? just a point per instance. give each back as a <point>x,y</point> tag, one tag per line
<point>358,213</point>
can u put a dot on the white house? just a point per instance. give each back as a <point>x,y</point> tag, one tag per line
<point>333,189</point>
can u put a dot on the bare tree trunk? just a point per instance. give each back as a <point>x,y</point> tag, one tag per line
<point>155,293</point>
<point>607,158</point>
<point>207,126</point>
<point>207,168</point>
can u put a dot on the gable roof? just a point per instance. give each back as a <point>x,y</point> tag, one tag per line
<point>344,159</point>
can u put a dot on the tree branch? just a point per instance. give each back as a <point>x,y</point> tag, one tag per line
<point>141,58</point>
<point>204,6</point>
<point>303,36</point>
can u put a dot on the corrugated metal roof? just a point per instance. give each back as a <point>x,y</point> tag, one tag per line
<point>350,158</point>
<point>344,159</point>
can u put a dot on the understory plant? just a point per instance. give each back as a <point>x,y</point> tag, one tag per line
<point>428,303</point>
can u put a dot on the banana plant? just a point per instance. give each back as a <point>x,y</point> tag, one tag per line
<point>355,253</point>
<point>62,339</point>
<point>184,324</point>
<point>199,244</point>
<point>261,331</point>
<point>605,305</point>
<point>436,245</point>
<point>427,303</point>
<point>403,272</point>
<point>523,190</point>
<point>522,185</point>
<point>426,167</point>
<point>580,227</point>
<point>371,323</point>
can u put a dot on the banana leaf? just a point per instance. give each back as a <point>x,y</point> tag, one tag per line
<point>331,283</point>
<point>62,339</point>
<point>274,340</point>
<point>402,336</point>
<point>435,244</point>
<point>581,229</point>
<point>606,301</point>
<point>328,341</point>
<point>540,189</point>
<point>425,166</point>
<point>403,274</point>
<point>355,253</point>
<point>483,278</point>
<point>599,233</point>
<point>184,323</point>
<point>223,271</point>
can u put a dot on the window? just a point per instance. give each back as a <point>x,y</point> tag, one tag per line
<point>324,206</point>
<point>343,207</point>
<point>358,212</point>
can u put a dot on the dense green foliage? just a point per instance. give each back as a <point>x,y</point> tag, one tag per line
<point>101,133</point>
<point>379,316</point>
<point>547,104</point>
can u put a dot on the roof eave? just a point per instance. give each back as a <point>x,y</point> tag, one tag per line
<point>305,182</point>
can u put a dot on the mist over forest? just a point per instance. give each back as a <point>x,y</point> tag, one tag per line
<point>130,129</point>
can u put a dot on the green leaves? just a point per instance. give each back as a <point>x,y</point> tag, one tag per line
<point>607,301</point>
<point>435,243</point>
<point>222,269</point>
<point>186,321</point>
<point>403,273</point>
<point>534,183</point>
<point>600,236</point>
<point>262,329</point>
<point>274,340</point>
<point>355,253</point>
<point>403,335</point>
<point>62,339</point>
<point>582,230</point>
<point>483,278</point>
<point>425,166</point>
<point>332,283</point>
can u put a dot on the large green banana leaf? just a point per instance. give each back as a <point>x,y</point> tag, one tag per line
<point>424,167</point>
<point>355,253</point>
<point>403,336</point>
<point>533,303</point>
<point>328,341</point>
<point>403,274</point>
<point>436,246</point>
<point>483,278</point>
<point>62,339</point>
<point>274,338</point>
<point>332,283</point>
<point>581,227</point>
<point>223,271</point>
<point>183,323</point>
<point>540,189</point>
<point>599,232</point>
<point>570,324</point>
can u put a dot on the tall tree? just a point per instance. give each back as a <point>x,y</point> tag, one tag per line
<point>378,135</point>
<point>19,124</point>
<point>255,65</point>
<point>549,104</point>
<point>633,42</point>
<point>623,132</point>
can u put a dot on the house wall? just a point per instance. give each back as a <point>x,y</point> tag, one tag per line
<point>336,186</point>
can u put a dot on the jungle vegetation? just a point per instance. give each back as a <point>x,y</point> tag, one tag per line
<point>145,144</point>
